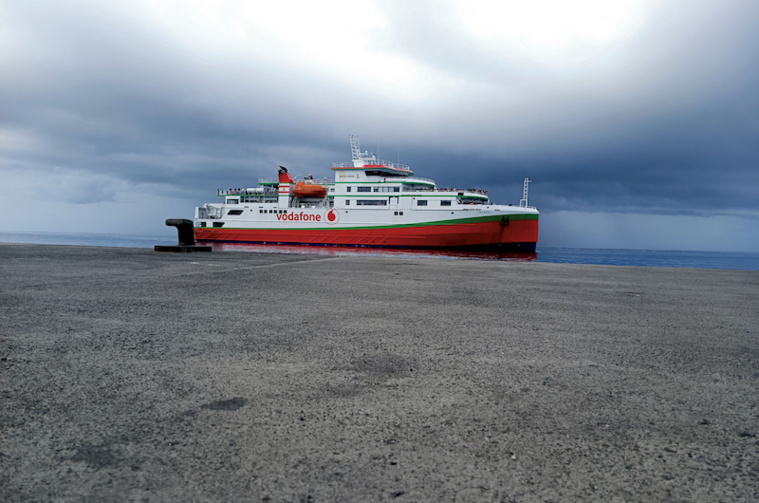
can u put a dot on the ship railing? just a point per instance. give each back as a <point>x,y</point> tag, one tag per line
<point>246,192</point>
<point>320,181</point>
<point>380,162</point>
<point>477,191</point>
<point>465,191</point>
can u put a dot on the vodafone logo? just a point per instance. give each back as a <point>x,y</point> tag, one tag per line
<point>332,217</point>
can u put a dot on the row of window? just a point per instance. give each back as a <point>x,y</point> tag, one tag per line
<point>423,202</point>
<point>383,202</point>
<point>374,189</point>
<point>259,198</point>
<point>239,212</point>
<point>367,202</point>
<point>359,202</point>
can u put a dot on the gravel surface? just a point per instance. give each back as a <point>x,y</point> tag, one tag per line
<point>130,375</point>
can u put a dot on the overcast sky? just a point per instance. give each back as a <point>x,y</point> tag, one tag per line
<point>638,121</point>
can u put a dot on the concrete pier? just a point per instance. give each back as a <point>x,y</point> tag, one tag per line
<point>128,375</point>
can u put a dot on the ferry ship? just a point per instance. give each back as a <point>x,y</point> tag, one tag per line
<point>369,203</point>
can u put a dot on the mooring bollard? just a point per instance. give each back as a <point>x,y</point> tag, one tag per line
<point>184,230</point>
<point>186,235</point>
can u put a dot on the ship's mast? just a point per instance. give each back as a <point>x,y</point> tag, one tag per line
<point>360,158</point>
<point>523,201</point>
<point>355,148</point>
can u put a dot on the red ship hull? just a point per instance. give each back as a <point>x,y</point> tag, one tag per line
<point>521,235</point>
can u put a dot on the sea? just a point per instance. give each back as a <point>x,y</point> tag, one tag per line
<point>748,261</point>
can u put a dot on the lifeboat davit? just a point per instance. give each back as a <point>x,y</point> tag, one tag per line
<point>304,189</point>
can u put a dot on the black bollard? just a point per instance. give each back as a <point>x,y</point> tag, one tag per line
<point>186,235</point>
<point>184,230</point>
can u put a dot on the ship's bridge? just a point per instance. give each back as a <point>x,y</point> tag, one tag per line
<point>379,168</point>
<point>369,164</point>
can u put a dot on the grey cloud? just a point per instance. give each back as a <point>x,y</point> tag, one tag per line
<point>664,122</point>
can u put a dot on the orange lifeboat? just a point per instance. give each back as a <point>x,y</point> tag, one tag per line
<point>306,189</point>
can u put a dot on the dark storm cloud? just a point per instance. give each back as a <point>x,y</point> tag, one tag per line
<point>677,132</point>
<point>106,77</point>
<point>665,121</point>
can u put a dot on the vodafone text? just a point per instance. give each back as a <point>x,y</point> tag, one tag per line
<point>300,217</point>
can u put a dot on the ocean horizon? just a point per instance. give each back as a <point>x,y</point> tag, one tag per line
<point>748,261</point>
